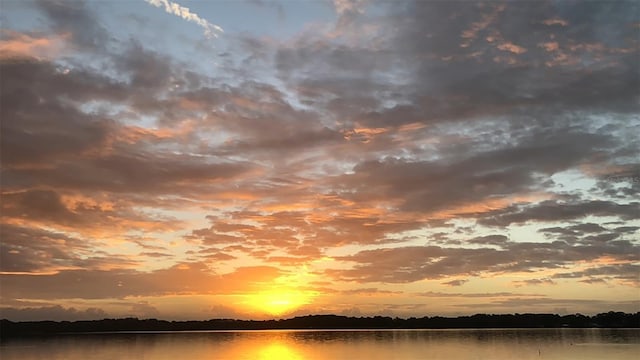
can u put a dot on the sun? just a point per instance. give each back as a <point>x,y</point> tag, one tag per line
<point>276,302</point>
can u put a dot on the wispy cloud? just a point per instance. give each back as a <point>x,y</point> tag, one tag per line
<point>210,30</point>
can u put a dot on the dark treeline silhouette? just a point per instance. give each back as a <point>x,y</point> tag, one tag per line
<point>604,320</point>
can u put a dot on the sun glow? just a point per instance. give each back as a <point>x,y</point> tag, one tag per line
<point>278,351</point>
<point>277,302</point>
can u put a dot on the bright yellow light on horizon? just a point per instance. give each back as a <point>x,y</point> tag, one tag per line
<point>278,351</point>
<point>277,302</point>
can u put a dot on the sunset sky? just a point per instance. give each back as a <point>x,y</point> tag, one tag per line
<point>260,159</point>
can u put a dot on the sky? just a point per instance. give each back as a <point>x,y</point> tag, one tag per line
<point>268,159</point>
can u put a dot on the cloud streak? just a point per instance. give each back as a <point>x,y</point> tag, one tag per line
<point>210,30</point>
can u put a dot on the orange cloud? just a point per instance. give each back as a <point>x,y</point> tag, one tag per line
<point>488,205</point>
<point>555,21</point>
<point>512,48</point>
<point>550,46</point>
<point>17,44</point>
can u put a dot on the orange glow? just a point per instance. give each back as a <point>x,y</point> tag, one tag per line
<point>20,44</point>
<point>134,134</point>
<point>411,127</point>
<point>271,345</point>
<point>278,351</point>
<point>278,302</point>
<point>75,201</point>
<point>489,205</point>
<point>287,207</point>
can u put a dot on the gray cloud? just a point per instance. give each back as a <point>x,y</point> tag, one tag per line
<point>628,273</point>
<point>52,313</point>
<point>552,210</point>
<point>28,249</point>
<point>562,306</point>
<point>185,278</point>
<point>414,263</point>
<point>458,282</point>
<point>504,171</point>
<point>75,18</point>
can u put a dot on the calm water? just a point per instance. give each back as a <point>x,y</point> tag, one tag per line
<point>334,345</point>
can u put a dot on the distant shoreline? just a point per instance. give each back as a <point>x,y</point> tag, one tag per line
<point>323,322</point>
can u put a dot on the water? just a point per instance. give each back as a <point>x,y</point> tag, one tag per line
<point>494,344</point>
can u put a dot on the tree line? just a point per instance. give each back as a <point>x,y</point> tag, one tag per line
<point>481,321</point>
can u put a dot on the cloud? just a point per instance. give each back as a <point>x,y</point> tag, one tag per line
<point>29,249</point>
<point>345,6</point>
<point>210,30</point>
<point>86,215</point>
<point>498,295</point>
<point>79,21</point>
<point>414,263</point>
<point>52,313</point>
<point>554,210</point>
<point>368,292</point>
<point>626,273</point>
<point>575,229</point>
<point>444,80</point>
<point>472,177</point>
<point>87,150</point>
<point>180,279</point>
<point>534,282</point>
<point>15,44</point>
<point>551,305</point>
<point>144,310</point>
<point>458,282</point>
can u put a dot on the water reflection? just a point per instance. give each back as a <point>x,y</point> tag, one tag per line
<point>335,345</point>
<point>278,351</point>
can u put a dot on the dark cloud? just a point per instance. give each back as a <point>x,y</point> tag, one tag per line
<point>488,53</point>
<point>52,313</point>
<point>434,294</point>
<point>627,273</point>
<point>473,177</point>
<point>145,69</point>
<point>414,263</point>
<point>627,229</point>
<point>486,58</point>
<point>38,125</point>
<point>575,229</point>
<point>155,254</point>
<point>29,249</point>
<point>552,305</point>
<point>137,172</point>
<point>498,240</point>
<point>367,292</point>
<point>49,208</point>
<point>184,278</point>
<point>534,282</point>
<point>458,282</point>
<point>75,17</point>
<point>83,150</point>
<point>144,310</point>
<point>553,210</point>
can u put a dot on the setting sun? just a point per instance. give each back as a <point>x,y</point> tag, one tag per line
<point>278,301</point>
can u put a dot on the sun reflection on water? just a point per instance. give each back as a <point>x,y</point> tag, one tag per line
<point>278,351</point>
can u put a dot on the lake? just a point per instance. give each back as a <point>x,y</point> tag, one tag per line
<point>494,344</point>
